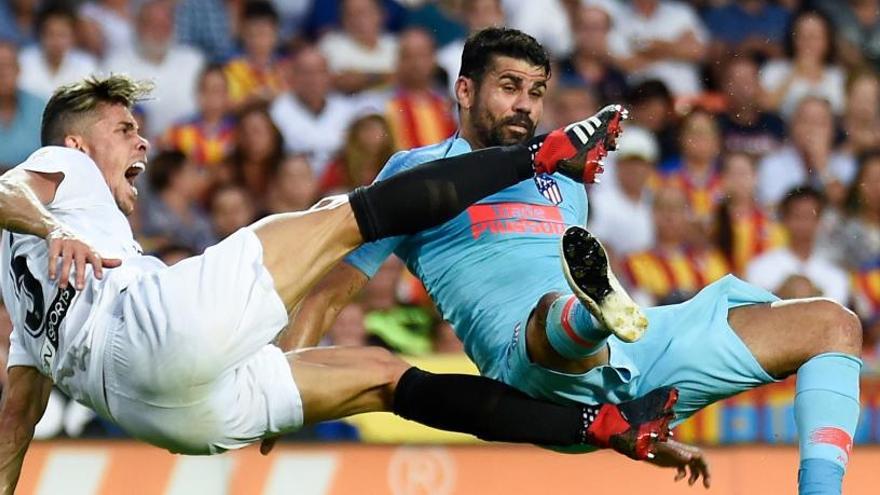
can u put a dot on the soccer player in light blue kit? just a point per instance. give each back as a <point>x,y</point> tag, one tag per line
<point>572,334</point>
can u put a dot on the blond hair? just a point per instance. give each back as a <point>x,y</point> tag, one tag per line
<point>72,103</point>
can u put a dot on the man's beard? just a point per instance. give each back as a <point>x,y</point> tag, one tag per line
<point>492,133</point>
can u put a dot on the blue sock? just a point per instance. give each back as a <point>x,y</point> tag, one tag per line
<point>826,410</point>
<point>572,330</point>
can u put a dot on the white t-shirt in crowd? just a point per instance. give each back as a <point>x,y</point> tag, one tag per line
<point>771,269</point>
<point>117,31</point>
<point>174,96</point>
<point>625,226</point>
<point>783,170</point>
<point>36,77</point>
<point>343,53</point>
<point>670,21</point>
<point>318,135</point>
<point>830,87</point>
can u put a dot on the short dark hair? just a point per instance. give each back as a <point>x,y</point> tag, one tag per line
<point>54,9</point>
<point>71,103</point>
<point>649,90</point>
<point>798,193</point>
<point>482,46</point>
<point>260,10</point>
<point>209,69</point>
<point>163,167</point>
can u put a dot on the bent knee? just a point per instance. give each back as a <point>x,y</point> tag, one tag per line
<point>842,330</point>
<point>542,309</point>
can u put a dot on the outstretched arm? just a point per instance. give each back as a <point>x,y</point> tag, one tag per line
<point>24,401</point>
<point>23,195</point>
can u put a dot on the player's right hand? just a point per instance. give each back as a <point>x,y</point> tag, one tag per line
<point>682,457</point>
<point>76,253</point>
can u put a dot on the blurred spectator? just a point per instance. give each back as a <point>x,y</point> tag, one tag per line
<point>19,112</point>
<point>866,302</point>
<point>325,16</point>
<point>590,64</point>
<point>17,21</point>
<point>809,70</point>
<point>207,137</point>
<point>861,120</point>
<point>478,15</point>
<point>360,55</point>
<point>292,14</point>
<point>445,340</point>
<point>348,328</point>
<point>798,287</point>
<point>312,119</point>
<point>745,127</point>
<point>651,106</point>
<point>368,145</point>
<point>747,27</point>
<point>857,29</point>
<point>673,269</point>
<point>114,20</point>
<point>661,39</point>
<point>292,186</point>
<point>259,148</point>
<point>800,212</point>
<point>809,157</point>
<point>256,75</point>
<point>171,254</point>
<point>231,209</point>
<point>443,19</point>
<point>54,61</point>
<point>174,68</point>
<point>743,229</point>
<point>171,214</point>
<point>418,111</point>
<point>856,238</point>
<point>405,329</point>
<point>696,173</point>
<point>621,205</point>
<point>206,25</point>
<point>566,104</point>
<point>547,20</point>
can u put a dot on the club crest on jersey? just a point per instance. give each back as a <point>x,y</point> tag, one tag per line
<point>548,188</point>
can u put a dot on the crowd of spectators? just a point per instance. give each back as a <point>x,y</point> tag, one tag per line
<point>753,145</point>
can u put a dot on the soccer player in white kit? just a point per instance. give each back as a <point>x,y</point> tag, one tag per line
<point>181,356</point>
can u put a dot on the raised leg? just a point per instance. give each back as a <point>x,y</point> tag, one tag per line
<point>821,341</point>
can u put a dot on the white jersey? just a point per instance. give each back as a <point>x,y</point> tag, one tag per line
<point>55,330</point>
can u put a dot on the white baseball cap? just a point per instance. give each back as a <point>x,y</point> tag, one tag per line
<point>637,142</point>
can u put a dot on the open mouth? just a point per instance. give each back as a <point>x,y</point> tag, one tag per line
<point>132,172</point>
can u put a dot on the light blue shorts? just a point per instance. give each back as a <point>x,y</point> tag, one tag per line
<point>689,346</point>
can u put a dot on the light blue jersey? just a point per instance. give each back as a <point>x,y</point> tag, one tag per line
<point>487,268</point>
<point>490,263</point>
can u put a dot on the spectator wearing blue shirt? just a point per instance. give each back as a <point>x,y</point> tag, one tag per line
<point>19,112</point>
<point>754,27</point>
<point>745,127</point>
<point>17,19</point>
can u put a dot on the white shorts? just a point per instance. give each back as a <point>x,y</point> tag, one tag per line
<point>189,367</point>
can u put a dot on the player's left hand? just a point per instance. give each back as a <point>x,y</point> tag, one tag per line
<point>682,457</point>
<point>74,253</point>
